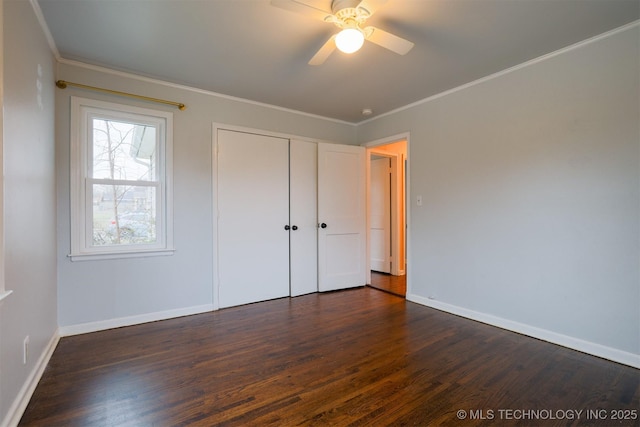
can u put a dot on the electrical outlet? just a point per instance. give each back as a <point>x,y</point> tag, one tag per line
<point>25,350</point>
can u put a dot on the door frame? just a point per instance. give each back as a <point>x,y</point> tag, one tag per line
<point>370,146</point>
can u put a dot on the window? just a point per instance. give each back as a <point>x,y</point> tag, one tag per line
<point>120,180</point>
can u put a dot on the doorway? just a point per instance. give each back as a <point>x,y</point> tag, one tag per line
<point>387,162</point>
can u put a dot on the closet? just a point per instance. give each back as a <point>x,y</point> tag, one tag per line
<point>268,230</point>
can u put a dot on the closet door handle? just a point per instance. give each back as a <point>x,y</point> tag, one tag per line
<point>323,225</point>
<point>286,227</point>
<point>294,227</point>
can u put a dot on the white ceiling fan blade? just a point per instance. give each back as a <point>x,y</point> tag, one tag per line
<point>303,9</point>
<point>324,52</point>
<point>370,6</point>
<point>387,40</point>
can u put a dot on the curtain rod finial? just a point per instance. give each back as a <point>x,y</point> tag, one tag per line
<point>61,84</point>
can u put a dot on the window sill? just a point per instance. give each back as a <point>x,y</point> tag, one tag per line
<point>121,255</point>
<point>4,294</point>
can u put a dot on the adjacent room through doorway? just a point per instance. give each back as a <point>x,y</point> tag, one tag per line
<point>387,219</point>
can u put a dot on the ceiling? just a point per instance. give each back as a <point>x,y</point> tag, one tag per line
<point>252,50</point>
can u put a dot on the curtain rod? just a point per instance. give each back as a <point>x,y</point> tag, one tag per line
<point>62,84</point>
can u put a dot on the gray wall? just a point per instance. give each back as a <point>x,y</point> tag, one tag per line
<point>530,183</point>
<point>97,291</point>
<point>30,200</point>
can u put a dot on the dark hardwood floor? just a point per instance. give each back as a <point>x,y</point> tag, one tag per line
<point>396,285</point>
<point>359,357</point>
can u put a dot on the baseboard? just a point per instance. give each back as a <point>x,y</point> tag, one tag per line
<point>84,328</point>
<point>583,346</point>
<point>24,395</point>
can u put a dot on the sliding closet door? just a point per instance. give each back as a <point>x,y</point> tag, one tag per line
<point>304,202</point>
<point>342,216</point>
<point>253,208</point>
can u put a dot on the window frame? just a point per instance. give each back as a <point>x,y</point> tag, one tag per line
<point>83,111</point>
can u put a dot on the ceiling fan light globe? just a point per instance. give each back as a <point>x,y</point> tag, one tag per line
<point>349,40</point>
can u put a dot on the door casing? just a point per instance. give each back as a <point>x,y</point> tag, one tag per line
<point>401,164</point>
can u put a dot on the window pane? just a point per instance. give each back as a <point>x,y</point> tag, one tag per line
<point>124,215</point>
<point>123,151</point>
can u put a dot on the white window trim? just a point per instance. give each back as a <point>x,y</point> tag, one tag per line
<point>81,110</point>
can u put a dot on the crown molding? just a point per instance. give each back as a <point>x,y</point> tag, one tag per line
<point>45,28</point>
<point>534,61</point>
<point>103,69</point>
<point>138,77</point>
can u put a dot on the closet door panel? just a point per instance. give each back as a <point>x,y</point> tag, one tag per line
<point>303,214</point>
<point>253,209</point>
<point>342,216</point>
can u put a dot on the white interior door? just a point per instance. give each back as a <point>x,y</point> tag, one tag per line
<point>253,209</point>
<point>303,217</point>
<point>380,215</point>
<point>342,216</point>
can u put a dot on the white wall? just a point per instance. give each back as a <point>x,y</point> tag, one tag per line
<point>144,288</point>
<point>29,205</point>
<point>530,183</point>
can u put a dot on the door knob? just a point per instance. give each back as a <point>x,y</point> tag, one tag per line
<point>294,227</point>
<point>323,225</point>
<point>286,227</point>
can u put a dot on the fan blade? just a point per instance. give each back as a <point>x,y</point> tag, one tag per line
<point>387,40</point>
<point>303,9</point>
<point>370,6</point>
<point>324,52</point>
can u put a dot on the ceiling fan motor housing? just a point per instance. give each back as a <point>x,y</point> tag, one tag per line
<point>337,5</point>
<point>348,13</point>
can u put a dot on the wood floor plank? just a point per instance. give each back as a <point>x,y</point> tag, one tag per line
<point>396,285</point>
<point>352,358</point>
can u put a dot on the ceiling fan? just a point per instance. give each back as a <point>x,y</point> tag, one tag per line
<point>349,16</point>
